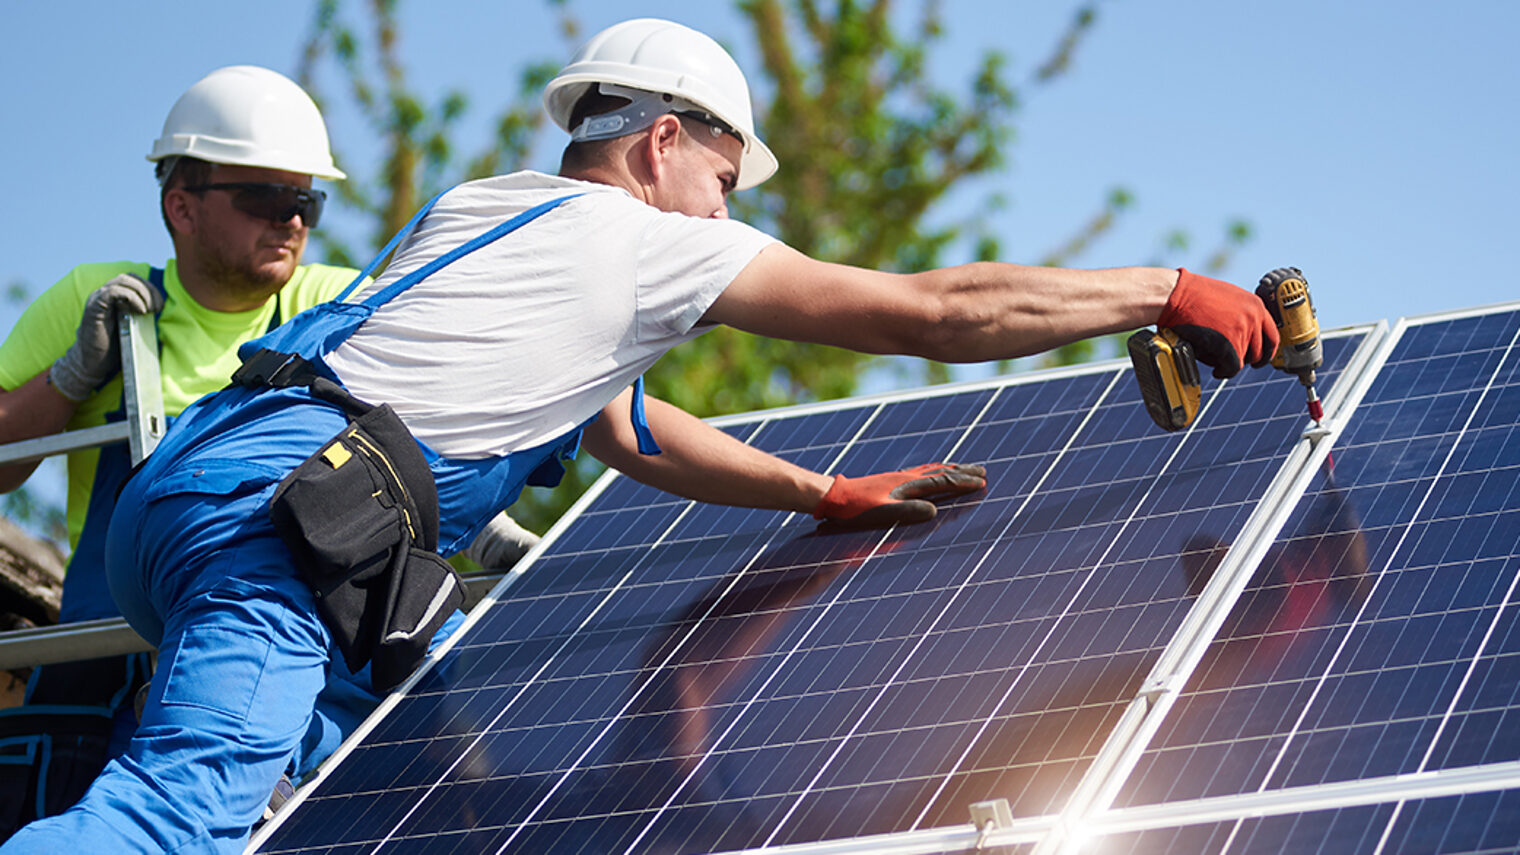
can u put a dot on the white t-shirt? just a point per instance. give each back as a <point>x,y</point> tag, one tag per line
<point>529,336</point>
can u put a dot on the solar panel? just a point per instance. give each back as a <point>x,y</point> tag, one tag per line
<point>679,677</point>
<point>674,677</point>
<point>1391,588</point>
<point>1482,823</point>
<point>1377,639</point>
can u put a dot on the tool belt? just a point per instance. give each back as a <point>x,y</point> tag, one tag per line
<point>361,518</point>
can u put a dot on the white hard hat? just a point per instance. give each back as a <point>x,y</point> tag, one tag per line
<point>243,115</point>
<point>663,57</point>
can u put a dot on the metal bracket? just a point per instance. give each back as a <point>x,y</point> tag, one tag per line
<point>1316,431</point>
<point>987,816</point>
<point>1156,686</point>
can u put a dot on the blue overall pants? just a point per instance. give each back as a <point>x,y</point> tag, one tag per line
<point>196,567</point>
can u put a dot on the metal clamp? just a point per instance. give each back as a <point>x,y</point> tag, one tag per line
<point>988,816</point>
<point>1165,684</point>
<point>1316,431</point>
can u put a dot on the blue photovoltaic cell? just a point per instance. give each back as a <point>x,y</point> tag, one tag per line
<point>1472,824</point>
<point>1380,635</point>
<point>672,677</point>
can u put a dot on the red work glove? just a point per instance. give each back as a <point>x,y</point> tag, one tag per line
<point>1227,326</point>
<point>892,498</point>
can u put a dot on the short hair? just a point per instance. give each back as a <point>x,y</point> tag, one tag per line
<point>180,171</point>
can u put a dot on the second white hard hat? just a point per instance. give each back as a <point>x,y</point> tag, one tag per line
<point>654,55</point>
<point>244,115</point>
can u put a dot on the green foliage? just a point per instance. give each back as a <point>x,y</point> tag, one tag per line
<point>418,133</point>
<point>869,143</point>
<point>36,515</point>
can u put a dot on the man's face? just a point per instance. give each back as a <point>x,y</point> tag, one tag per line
<point>243,254</point>
<point>701,173</point>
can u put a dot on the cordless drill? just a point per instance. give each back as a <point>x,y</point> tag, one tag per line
<point>1167,369</point>
<point>1285,292</point>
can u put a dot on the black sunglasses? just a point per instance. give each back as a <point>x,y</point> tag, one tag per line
<point>717,125</point>
<point>277,203</point>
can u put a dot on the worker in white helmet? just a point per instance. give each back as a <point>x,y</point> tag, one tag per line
<point>235,165</point>
<point>511,330</point>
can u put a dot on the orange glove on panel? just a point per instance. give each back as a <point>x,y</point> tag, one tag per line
<point>892,498</point>
<point>1227,326</point>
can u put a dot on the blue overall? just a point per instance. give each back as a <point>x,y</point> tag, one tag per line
<point>245,663</point>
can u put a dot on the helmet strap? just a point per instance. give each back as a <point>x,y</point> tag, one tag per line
<point>641,111</point>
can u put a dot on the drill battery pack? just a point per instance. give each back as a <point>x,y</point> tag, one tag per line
<point>1168,374</point>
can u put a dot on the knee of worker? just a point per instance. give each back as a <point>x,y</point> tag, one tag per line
<point>205,758</point>
<point>344,703</point>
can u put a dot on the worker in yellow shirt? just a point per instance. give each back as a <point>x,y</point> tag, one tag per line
<point>235,165</point>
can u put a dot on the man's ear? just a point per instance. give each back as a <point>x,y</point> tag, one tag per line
<point>180,210</point>
<point>664,136</point>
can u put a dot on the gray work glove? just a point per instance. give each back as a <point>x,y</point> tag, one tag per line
<point>501,543</point>
<point>95,355</point>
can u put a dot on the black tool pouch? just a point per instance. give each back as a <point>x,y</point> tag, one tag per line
<point>361,518</point>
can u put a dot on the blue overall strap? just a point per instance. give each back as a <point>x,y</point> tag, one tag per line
<point>156,279</point>
<point>389,247</point>
<point>641,430</point>
<point>385,294</point>
<point>274,319</point>
<point>647,445</point>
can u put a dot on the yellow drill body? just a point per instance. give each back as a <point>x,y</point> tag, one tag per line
<point>1285,292</point>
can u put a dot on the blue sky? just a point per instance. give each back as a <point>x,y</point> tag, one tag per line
<point>1369,143</point>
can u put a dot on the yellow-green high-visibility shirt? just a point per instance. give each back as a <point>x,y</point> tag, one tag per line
<point>197,347</point>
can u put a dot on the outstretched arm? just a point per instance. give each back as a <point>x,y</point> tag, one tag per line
<point>981,311</point>
<point>703,463</point>
<point>699,461</point>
